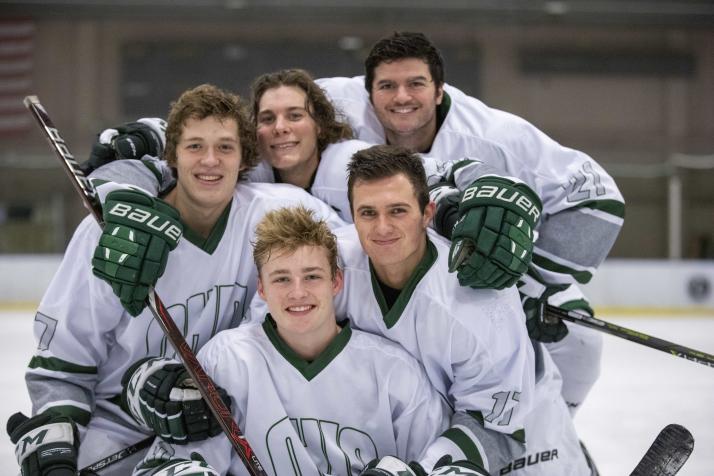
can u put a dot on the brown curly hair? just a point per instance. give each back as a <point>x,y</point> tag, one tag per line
<point>205,101</point>
<point>320,108</point>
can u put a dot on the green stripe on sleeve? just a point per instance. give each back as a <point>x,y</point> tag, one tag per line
<point>465,444</point>
<point>613,207</point>
<point>543,262</point>
<point>59,365</point>
<point>77,415</point>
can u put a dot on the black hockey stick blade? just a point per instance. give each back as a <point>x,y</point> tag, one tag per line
<point>668,453</point>
<point>155,305</point>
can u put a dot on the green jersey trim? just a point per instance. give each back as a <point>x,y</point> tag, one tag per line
<point>308,369</point>
<point>580,276</point>
<point>391,316</point>
<point>465,444</point>
<point>612,207</point>
<point>210,244</point>
<point>59,365</point>
<point>77,415</point>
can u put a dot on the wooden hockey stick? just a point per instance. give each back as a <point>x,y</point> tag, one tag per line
<point>157,308</point>
<point>629,334</point>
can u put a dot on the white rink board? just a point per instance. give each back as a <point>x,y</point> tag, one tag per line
<point>640,391</point>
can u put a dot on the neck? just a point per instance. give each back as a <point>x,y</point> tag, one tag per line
<point>310,347</point>
<point>418,141</point>
<point>396,275</point>
<point>300,176</point>
<point>199,219</point>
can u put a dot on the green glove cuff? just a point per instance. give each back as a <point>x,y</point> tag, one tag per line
<point>502,192</point>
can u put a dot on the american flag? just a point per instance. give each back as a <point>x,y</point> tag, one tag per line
<point>16,56</point>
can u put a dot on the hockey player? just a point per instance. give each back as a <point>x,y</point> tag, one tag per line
<point>312,394</point>
<point>403,100</point>
<point>471,342</point>
<point>86,335</point>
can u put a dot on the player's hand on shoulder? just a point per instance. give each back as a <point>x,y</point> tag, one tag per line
<point>534,293</point>
<point>492,241</point>
<point>139,232</point>
<point>45,445</point>
<point>392,466</point>
<point>159,394</point>
<point>132,140</point>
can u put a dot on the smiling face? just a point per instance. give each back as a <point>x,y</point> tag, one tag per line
<point>287,134</point>
<point>405,98</point>
<point>208,161</point>
<point>391,226</point>
<point>299,288</point>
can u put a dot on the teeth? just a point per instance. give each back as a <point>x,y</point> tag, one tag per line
<point>299,308</point>
<point>284,146</point>
<point>403,110</point>
<point>209,178</point>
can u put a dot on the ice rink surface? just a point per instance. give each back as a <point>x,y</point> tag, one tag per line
<point>640,391</point>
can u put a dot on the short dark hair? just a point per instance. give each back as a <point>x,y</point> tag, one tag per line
<point>205,101</point>
<point>330,128</point>
<point>401,45</point>
<point>383,161</point>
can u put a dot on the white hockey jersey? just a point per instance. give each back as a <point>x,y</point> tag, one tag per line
<point>363,397</point>
<point>85,339</point>
<point>583,209</point>
<point>475,349</point>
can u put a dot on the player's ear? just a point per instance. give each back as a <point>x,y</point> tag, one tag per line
<point>261,290</point>
<point>338,282</point>
<point>429,211</point>
<point>439,94</point>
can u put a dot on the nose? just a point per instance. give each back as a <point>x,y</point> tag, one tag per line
<point>403,94</point>
<point>209,157</point>
<point>281,125</point>
<point>383,225</point>
<point>298,289</point>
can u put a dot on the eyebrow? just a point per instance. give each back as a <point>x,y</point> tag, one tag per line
<point>391,205</point>
<point>308,269</point>
<point>291,108</point>
<point>411,78</point>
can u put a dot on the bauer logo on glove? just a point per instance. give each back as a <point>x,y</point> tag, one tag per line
<point>502,194</point>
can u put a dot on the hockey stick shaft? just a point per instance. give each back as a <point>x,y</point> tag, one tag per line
<point>118,456</point>
<point>632,335</point>
<point>157,308</point>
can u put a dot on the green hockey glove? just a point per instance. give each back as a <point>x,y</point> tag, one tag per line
<point>139,232</point>
<point>492,242</point>
<point>445,466</point>
<point>534,293</point>
<point>159,394</point>
<point>45,445</point>
<point>196,466</point>
<point>391,466</point>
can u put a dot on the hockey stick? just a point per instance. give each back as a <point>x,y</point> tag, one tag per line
<point>667,454</point>
<point>629,334</point>
<point>157,308</point>
<point>114,457</point>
